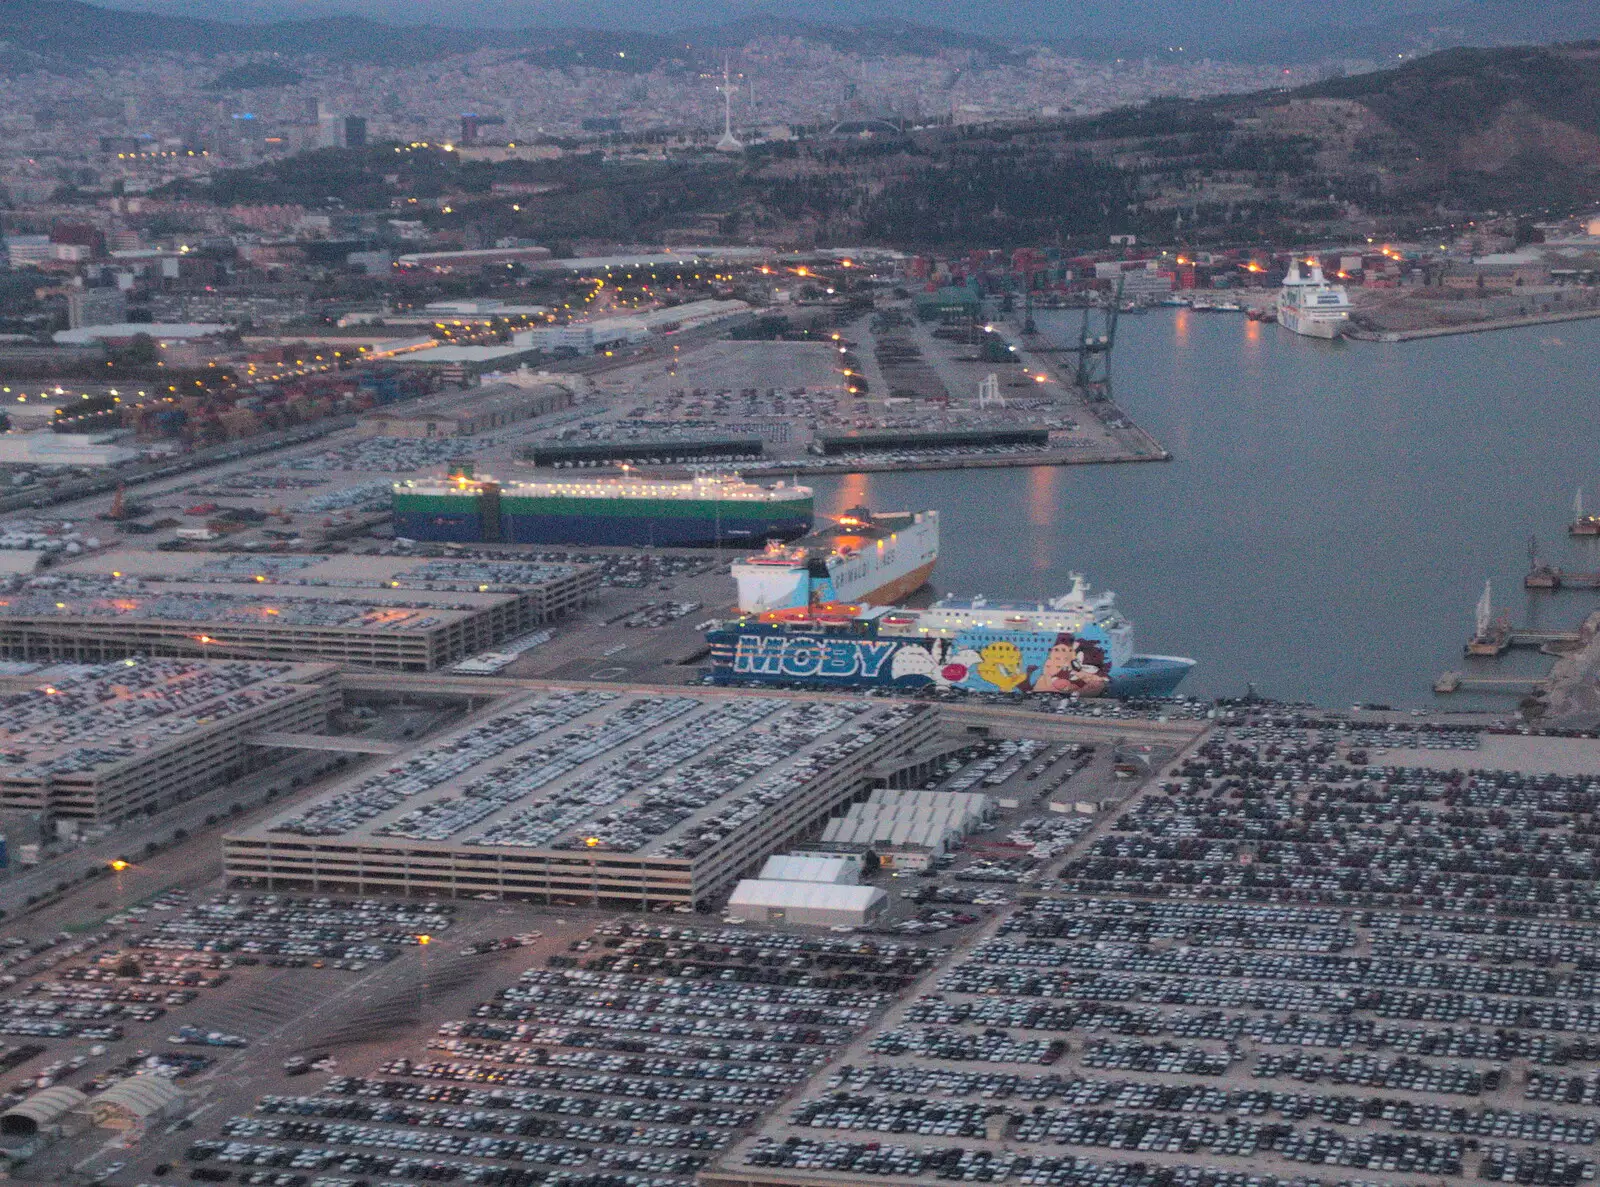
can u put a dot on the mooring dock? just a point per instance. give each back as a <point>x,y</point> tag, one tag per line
<point>1456,682</point>
<point>1550,577</point>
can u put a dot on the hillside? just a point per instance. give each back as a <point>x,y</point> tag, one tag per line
<point>1380,154</point>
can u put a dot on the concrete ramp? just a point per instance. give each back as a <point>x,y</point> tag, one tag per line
<point>323,742</point>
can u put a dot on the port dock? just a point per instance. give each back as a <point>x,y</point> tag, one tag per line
<point>1549,577</point>
<point>1457,682</point>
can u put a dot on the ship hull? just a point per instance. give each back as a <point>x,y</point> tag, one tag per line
<point>1149,676</point>
<point>984,661</point>
<point>1310,328</point>
<point>895,591</point>
<point>875,572</point>
<point>661,531</point>
<point>445,527</point>
<point>636,522</point>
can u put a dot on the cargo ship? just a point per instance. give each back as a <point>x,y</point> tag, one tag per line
<point>1075,644</point>
<point>861,557</point>
<point>699,512</point>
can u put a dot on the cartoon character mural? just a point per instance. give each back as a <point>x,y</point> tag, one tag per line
<point>938,662</point>
<point>1074,665</point>
<point>1002,667</point>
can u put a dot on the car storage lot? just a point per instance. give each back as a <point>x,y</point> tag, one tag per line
<point>1277,964</point>
<point>289,1003</point>
<point>627,1052</point>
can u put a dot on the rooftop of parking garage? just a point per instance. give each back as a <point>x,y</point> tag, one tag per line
<point>249,589</point>
<point>92,718</point>
<point>663,775</point>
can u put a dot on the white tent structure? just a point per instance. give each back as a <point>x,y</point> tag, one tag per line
<point>820,904</point>
<point>891,819</point>
<point>840,869</point>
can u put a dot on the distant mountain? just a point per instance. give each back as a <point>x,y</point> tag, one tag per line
<point>1131,22</point>
<point>635,35</point>
<point>68,31</point>
<point>61,33</point>
<point>1482,23</point>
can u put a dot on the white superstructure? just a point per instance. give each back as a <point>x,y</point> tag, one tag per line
<point>1071,614</point>
<point>1309,305</point>
<point>862,558</point>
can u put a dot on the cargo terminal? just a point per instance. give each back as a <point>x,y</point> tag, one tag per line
<point>396,613</point>
<point>594,796</point>
<point>104,743</point>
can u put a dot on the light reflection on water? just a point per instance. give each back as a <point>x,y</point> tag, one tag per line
<point>1331,513</point>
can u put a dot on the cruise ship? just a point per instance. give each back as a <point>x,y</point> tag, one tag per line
<point>702,511</point>
<point>1075,644</point>
<point>861,557</point>
<point>1309,305</point>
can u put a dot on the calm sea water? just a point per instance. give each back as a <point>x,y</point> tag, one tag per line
<point>1331,514</point>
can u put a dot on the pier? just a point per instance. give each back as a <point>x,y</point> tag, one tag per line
<point>1549,577</point>
<point>1502,637</point>
<point>1456,682</point>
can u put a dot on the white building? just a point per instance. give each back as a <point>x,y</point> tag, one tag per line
<point>23,251</point>
<point>45,447</point>
<point>836,868</point>
<point>908,829</point>
<point>818,904</point>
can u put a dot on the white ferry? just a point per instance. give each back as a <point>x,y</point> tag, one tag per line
<point>1309,305</point>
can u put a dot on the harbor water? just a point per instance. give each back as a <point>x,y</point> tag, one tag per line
<point>1331,513</point>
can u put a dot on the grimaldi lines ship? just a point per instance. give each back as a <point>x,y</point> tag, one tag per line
<point>861,557</point>
<point>631,509</point>
<point>1078,643</point>
<point>1309,305</point>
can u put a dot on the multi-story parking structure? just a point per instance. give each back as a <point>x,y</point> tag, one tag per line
<point>395,613</point>
<point>594,795</point>
<point>138,734</point>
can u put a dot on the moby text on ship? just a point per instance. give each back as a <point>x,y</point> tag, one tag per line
<point>1076,644</point>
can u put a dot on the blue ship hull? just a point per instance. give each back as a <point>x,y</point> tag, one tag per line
<point>980,660</point>
<point>430,525</point>
<point>640,531</point>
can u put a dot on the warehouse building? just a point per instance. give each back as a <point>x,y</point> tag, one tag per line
<point>466,364</point>
<point>135,1102</point>
<point>817,904</point>
<point>468,413</point>
<point>384,612</point>
<point>594,796</point>
<point>908,829</point>
<point>123,738</point>
<point>840,869</point>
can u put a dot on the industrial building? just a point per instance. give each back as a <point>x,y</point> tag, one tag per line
<point>119,739</point>
<point>643,453</point>
<point>841,869</point>
<point>467,413</point>
<point>473,261</point>
<point>384,612</point>
<point>466,364</point>
<point>908,829</point>
<point>818,904</point>
<point>896,440</point>
<point>135,1102</point>
<point>593,796</point>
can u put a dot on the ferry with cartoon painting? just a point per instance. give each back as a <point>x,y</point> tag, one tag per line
<point>1078,643</point>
